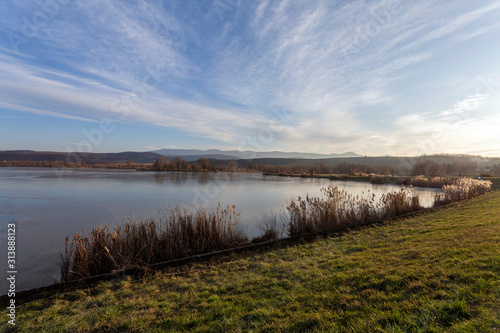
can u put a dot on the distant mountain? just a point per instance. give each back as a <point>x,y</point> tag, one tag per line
<point>247,154</point>
<point>191,158</point>
<point>149,157</point>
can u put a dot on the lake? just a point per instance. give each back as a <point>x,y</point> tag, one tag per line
<point>47,205</point>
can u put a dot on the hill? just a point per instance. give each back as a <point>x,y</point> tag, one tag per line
<point>391,161</point>
<point>436,272</point>
<point>30,155</point>
<point>247,154</point>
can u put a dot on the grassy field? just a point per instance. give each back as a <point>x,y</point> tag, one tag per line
<point>436,272</point>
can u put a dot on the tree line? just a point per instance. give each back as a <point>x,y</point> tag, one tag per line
<point>424,167</point>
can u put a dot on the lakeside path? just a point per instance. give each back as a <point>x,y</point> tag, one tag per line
<point>436,272</point>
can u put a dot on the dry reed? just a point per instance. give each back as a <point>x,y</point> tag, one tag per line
<point>178,234</point>
<point>271,228</point>
<point>462,189</point>
<point>423,181</point>
<point>340,210</point>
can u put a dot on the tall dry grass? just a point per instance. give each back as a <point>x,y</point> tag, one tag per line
<point>179,233</point>
<point>271,228</point>
<point>398,203</point>
<point>423,181</point>
<point>462,189</point>
<point>339,209</point>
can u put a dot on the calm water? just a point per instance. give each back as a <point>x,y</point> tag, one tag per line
<point>48,205</point>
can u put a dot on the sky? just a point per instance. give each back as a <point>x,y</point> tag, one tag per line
<point>371,77</point>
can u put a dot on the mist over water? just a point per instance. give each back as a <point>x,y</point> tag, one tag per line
<point>48,205</point>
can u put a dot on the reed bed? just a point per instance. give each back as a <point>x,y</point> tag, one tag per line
<point>340,210</point>
<point>423,181</point>
<point>462,189</point>
<point>417,181</point>
<point>179,233</point>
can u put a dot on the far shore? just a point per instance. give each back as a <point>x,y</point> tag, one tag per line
<point>358,177</point>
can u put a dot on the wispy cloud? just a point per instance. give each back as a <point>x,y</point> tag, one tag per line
<point>342,71</point>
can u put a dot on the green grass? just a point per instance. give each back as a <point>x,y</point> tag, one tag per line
<point>437,272</point>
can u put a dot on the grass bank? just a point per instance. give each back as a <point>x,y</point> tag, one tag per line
<point>437,272</point>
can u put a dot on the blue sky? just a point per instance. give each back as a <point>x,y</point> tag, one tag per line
<point>373,77</point>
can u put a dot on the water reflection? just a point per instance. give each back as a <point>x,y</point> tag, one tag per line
<point>177,178</point>
<point>202,178</point>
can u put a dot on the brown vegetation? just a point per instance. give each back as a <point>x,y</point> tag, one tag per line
<point>178,234</point>
<point>341,209</point>
<point>423,181</point>
<point>378,179</point>
<point>323,169</point>
<point>462,189</point>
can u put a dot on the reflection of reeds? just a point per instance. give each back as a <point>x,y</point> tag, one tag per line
<point>178,234</point>
<point>341,209</point>
<point>462,189</point>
